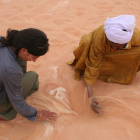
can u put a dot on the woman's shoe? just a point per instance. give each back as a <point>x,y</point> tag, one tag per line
<point>1,119</point>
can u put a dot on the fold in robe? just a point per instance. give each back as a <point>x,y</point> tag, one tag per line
<point>95,59</point>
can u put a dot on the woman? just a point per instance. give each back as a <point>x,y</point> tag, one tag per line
<point>15,83</point>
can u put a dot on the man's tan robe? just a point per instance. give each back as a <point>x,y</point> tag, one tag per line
<point>95,58</point>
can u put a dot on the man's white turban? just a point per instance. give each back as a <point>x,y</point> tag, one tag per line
<point>120,29</point>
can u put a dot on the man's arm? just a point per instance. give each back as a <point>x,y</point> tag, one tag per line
<point>93,64</point>
<point>94,104</point>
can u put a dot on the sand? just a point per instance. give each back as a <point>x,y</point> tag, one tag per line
<point>64,22</point>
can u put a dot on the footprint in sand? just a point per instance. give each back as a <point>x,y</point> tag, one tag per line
<point>58,22</point>
<point>17,8</point>
<point>47,29</point>
<point>61,21</point>
<point>42,17</point>
<point>3,138</point>
<point>56,41</point>
<point>118,3</point>
<point>72,31</point>
<point>79,14</point>
<point>29,6</point>
<point>15,18</point>
<point>5,1</point>
<point>80,9</point>
<point>7,16</point>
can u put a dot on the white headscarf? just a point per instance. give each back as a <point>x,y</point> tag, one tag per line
<point>114,28</point>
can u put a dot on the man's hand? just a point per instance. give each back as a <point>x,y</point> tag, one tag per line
<point>47,115</point>
<point>93,102</point>
<point>95,105</point>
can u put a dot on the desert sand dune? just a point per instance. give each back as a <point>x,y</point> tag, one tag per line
<point>64,22</point>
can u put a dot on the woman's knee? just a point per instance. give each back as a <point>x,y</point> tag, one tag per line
<point>32,74</point>
<point>30,82</point>
<point>30,77</point>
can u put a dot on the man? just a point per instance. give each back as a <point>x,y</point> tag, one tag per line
<point>15,83</point>
<point>110,53</point>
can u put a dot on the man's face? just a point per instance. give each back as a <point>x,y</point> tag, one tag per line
<point>116,46</point>
<point>25,56</point>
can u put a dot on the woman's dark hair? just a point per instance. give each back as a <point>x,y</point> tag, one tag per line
<point>34,40</point>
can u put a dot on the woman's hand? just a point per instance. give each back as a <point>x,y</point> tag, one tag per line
<point>46,115</point>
